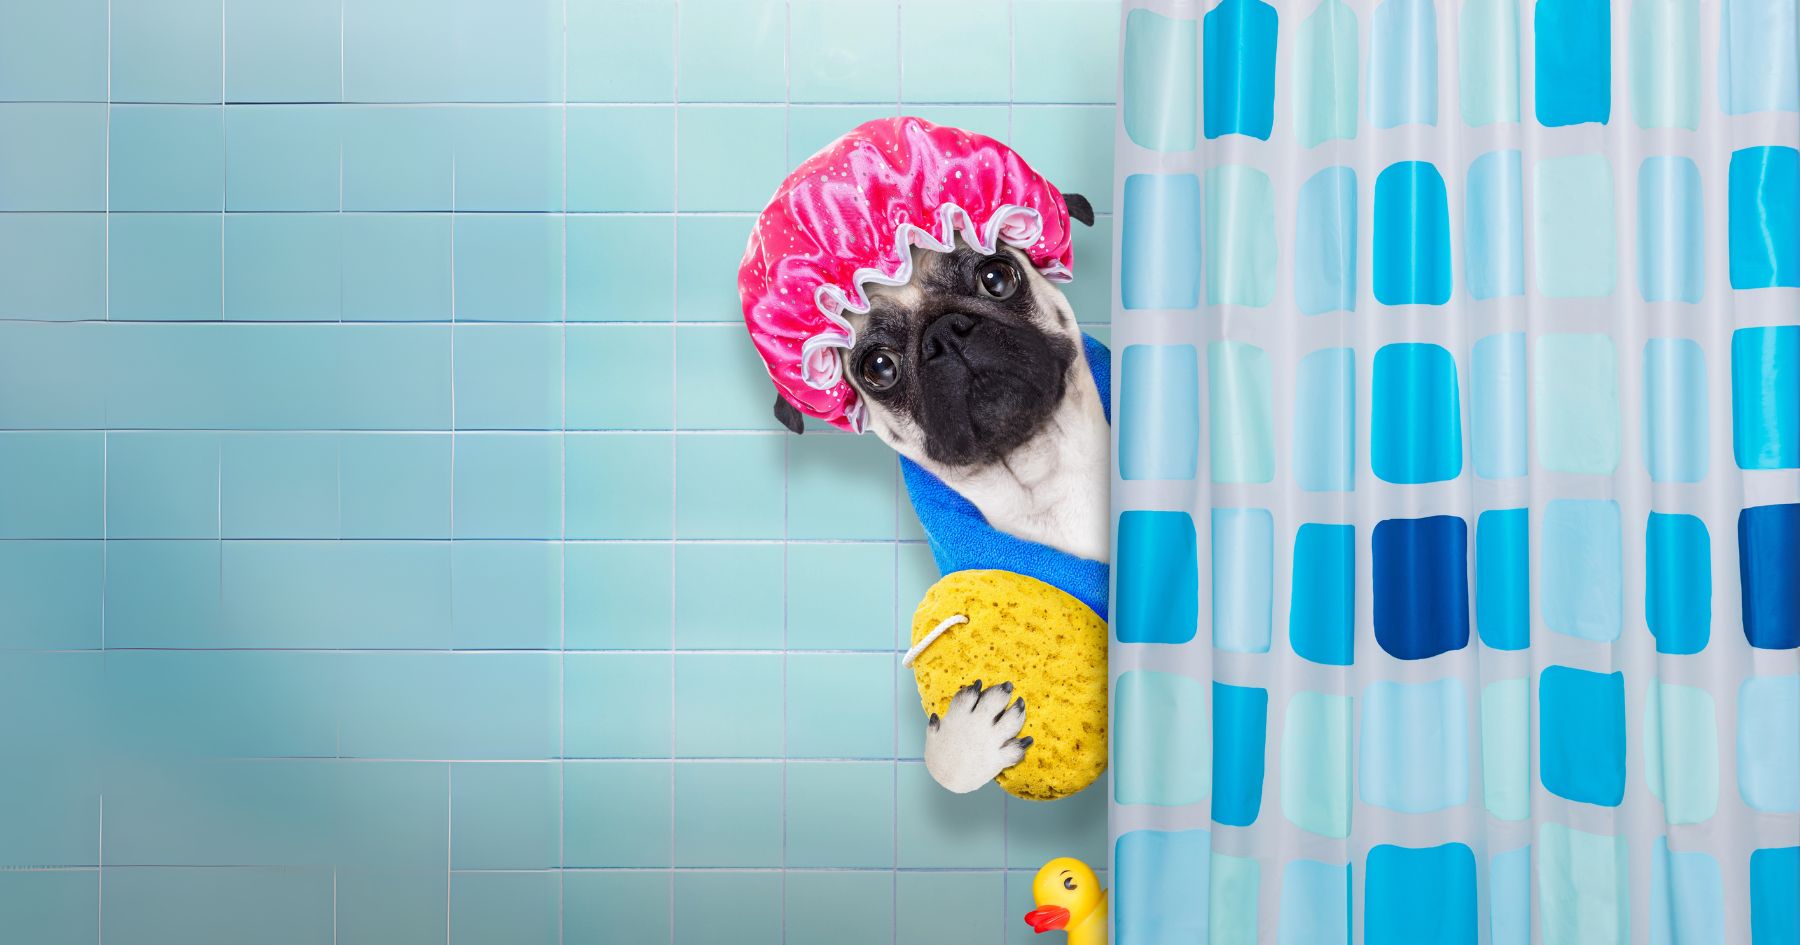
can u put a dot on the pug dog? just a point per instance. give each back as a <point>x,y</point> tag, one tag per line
<point>975,370</point>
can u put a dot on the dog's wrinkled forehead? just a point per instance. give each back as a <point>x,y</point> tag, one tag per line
<point>939,278</point>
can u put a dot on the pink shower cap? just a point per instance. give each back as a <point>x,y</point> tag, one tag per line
<point>849,216</point>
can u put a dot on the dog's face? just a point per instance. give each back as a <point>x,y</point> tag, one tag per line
<point>968,361</point>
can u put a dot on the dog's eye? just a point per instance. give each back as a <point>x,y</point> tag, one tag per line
<point>880,369</point>
<point>1069,884</point>
<point>998,278</point>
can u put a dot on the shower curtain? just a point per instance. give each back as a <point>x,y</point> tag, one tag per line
<point>1457,586</point>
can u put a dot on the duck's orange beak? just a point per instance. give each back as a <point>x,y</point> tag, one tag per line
<point>1047,919</point>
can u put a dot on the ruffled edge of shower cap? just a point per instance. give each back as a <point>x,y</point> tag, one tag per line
<point>849,216</point>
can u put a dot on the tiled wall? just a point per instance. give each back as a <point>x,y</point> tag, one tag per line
<point>395,545</point>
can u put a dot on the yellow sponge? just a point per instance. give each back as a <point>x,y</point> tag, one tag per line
<point>1049,645</point>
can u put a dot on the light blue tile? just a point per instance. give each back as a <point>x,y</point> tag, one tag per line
<point>166,703</point>
<point>395,267</point>
<point>163,593</point>
<point>53,52</point>
<point>840,815</point>
<point>633,906</point>
<point>721,383</point>
<point>392,907</point>
<point>165,266</point>
<point>1068,144</point>
<point>392,377</point>
<point>505,816</point>
<point>618,377</point>
<point>282,267</point>
<point>618,596</point>
<point>621,51</point>
<point>727,814</point>
<point>472,51</point>
<point>620,486</point>
<point>509,377</point>
<point>854,610</point>
<point>50,594</point>
<point>282,157</point>
<point>391,594</point>
<point>51,908</point>
<point>167,51</point>
<point>812,127</point>
<point>990,120</point>
<point>274,594</point>
<point>729,486</point>
<point>730,158</point>
<point>705,247</point>
<point>728,596</point>
<point>941,829</point>
<point>617,814</point>
<point>505,908</point>
<point>733,50</point>
<point>506,595</point>
<point>50,485</point>
<point>821,905</point>
<point>1091,293</point>
<point>280,485</point>
<point>743,908</point>
<point>166,906</point>
<point>860,722</point>
<point>282,53</point>
<point>450,705</point>
<point>603,691</point>
<point>507,51</point>
<point>509,268</point>
<point>162,485</point>
<point>509,158</point>
<point>727,706</point>
<point>50,375</point>
<point>394,486</point>
<point>55,158</point>
<point>1058,55</point>
<point>941,64</point>
<point>398,158</point>
<point>52,266</point>
<point>1037,832</point>
<point>167,157</point>
<point>940,907</point>
<point>508,486</point>
<point>835,55</point>
<point>622,158</point>
<point>621,268</point>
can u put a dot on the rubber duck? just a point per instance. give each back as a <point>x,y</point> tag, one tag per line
<point>1069,897</point>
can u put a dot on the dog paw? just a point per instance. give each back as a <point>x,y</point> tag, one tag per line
<point>976,738</point>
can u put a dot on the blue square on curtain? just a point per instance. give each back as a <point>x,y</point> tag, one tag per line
<point>1325,243</point>
<point>1412,235</point>
<point>1765,397</point>
<point>1158,578</point>
<point>1774,909</point>
<point>1671,251</point>
<point>1687,897</point>
<point>1159,412</point>
<point>1768,559</point>
<point>1315,903</point>
<point>1325,421</point>
<point>1159,886</point>
<point>1503,578</point>
<point>1421,585</point>
<point>1243,579</point>
<point>1159,242</point>
<point>1581,735</point>
<point>1764,225</point>
<point>1574,61</point>
<point>1494,226</point>
<point>1322,613</point>
<point>1416,422</point>
<point>1678,582</point>
<point>1240,718</point>
<point>1239,61</point>
<point>1413,895</point>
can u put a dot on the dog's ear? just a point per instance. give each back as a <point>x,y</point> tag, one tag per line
<point>1079,208</point>
<point>788,415</point>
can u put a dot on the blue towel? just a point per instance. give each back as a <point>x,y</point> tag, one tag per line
<point>962,540</point>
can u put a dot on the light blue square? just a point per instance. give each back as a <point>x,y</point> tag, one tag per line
<point>506,51</point>
<point>1315,903</point>
<point>941,907</point>
<point>1159,412</point>
<point>730,158</point>
<point>162,485</point>
<point>1160,80</point>
<point>716,907</point>
<point>506,595</point>
<point>620,486</point>
<point>279,485</point>
<point>634,906</point>
<point>283,157</point>
<point>51,908</point>
<point>1581,735</point>
<point>723,383</point>
<point>51,594</point>
<point>1576,401</point>
<point>509,377</point>
<point>1572,223</point>
<point>390,593</point>
<point>730,486</point>
<point>167,50</point>
<point>509,158</point>
<point>55,157</point>
<point>1091,294</point>
<point>505,816</point>
<point>509,268</point>
<point>52,266</point>
<point>390,376</point>
<point>282,267</point>
<point>399,51</point>
<point>1068,144</point>
<point>993,121</point>
<point>270,598</point>
<point>617,377</point>
<point>1038,832</point>
<point>1154,868</point>
<point>622,158</point>
<point>622,268</point>
<point>50,485</point>
<point>836,57</point>
<point>265,904</point>
<point>53,52</point>
<point>1062,62</point>
<point>161,593</point>
<point>840,814</point>
<point>508,485</point>
<point>602,688</point>
<point>1768,743</point>
<point>1159,249</point>
<point>505,908</point>
<point>395,267</point>
<point>727,814</point>
<point>621,51</point>
<point>167,157</point>
<point>1757,69</point>
<point>1674,421</point>
<point>709,245</point>
<point>1325,243</point>
<point>394,485</point>
<point>1497,385</point>
<point>943,830</point>
<point>840,487</point>
<point>1415,746</point>
<point>1581,567</point>
<point>1243,562</point>
<point>733,50</point>
<point>1151,710</point>
<point>398,158</point>
<point>617,595</point>
<point>821,905</point>
<point>1325,421</point>
<point>165,266</point>
<point>728,706</point>
<point>953,65</point>
<point>1494,227</point>
<point>450,706</point>
<point>852,611</point>
<point>1671,250</point>
<point>284,52</point>
<point>812,127</point>
<point>728,596</point>
<point>859,685</point>
<point>1687,898</point>
<point>618,814</point>
<point>1510,885</point>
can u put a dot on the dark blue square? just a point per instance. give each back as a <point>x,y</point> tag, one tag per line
<point>1240,719</point>
<point>1322,613</point>
<point>1413,896</point>
<point>1421,586</point>
<point>1581,735</point>
<point>1158,578</point>
<point>1768,560</point>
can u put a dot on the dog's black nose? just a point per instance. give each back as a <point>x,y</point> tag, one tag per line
<point>946,334</point>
